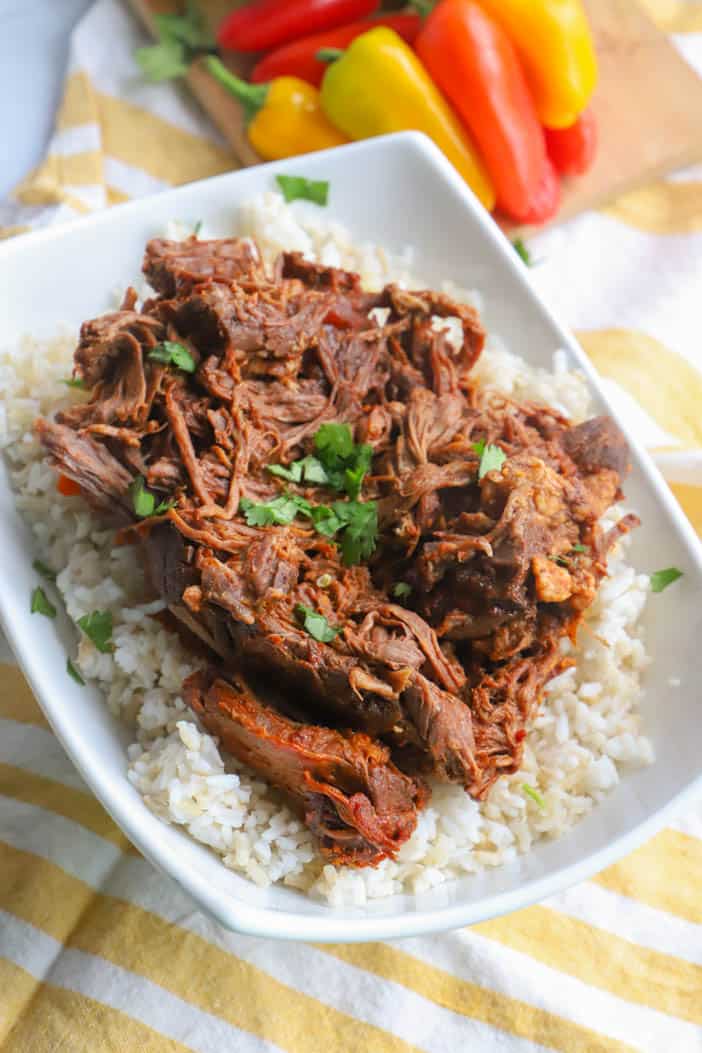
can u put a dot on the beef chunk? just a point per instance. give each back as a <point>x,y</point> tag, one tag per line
<point>175,267</point>
<point>357,803</point>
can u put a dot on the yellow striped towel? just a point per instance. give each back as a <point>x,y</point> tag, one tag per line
<point>100,953</point>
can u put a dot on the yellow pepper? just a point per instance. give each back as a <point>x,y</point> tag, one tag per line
<point>285,117</point>
<point>378,85</point>
<point>555,45</point>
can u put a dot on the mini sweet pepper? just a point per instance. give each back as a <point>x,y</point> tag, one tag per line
<point>378,85</point>
<point>285,117</point>
<point>555,45</point>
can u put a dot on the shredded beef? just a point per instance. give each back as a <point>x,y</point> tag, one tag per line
<point>440,679</point>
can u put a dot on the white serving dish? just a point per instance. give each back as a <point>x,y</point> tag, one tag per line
<point>392,190</point>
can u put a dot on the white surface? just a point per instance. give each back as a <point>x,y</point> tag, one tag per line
<point>393,190</point>
<point>34,39</point>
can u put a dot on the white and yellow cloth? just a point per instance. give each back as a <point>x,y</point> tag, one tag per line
<point>100,953</point>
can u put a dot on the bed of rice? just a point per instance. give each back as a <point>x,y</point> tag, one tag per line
<point>586,737</point>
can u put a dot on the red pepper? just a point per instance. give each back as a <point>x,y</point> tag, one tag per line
<point>474,63</point>
<point>66,486</point>
<point>572,150</point>
<point>266,24</point>
<point>299,58</point>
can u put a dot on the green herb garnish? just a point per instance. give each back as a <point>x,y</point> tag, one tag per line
<point>401,590</point>
<point>316,624</point>
<point>491,457</point>
<point>41,604</point>
<point>297,187</point>
<point>522,251</point>
<point>309,470</point>
<point>345,463</point>
<point>180,39</point>
<point>72,671</point>
<point>97,626</point>
<point>338,462</point>
<point>44,570</point>
<point>197,228</point>
<point>355,521</point>
<point>75,382</point>
<point>279,512</point>
<point>535,795</point>
<point>173,354</point>
<point>661,579</point>
<point>144,502</point>
<point>579,548</point>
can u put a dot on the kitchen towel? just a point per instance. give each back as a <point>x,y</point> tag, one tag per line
<point>99,952</point>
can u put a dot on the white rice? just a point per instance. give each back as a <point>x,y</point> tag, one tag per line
<point>586,737</point>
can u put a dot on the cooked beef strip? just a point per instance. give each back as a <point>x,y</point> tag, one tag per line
<point>499,569</point>
<point>353,798</point>
<point>175,267</point>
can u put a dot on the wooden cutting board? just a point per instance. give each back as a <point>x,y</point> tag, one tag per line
<point>648,101</point>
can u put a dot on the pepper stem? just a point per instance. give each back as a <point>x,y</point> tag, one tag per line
<point>422,7</point>
<point>329,54</point>
<point>251,96</point>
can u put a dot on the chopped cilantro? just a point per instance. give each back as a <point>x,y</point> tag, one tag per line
<point>97,626</point>
<point>280,512</point>
<point>661,579</point>
<point>401,590</point>
<point>579,548</point>
<point>339,463</point>
<point>44,570</point>
<point>491,458</point>
<point>75,382</point>
<point>316,624</point>
<point>361,529</point>
<point>144,502</point>
<point>294,187</point>
<point>309,470</point>
<point>72,671</point>
<point>535,795</point>
<point>522,251</point>
<point>41,603</point>
<point>173,354</point>
<point>180,39</point>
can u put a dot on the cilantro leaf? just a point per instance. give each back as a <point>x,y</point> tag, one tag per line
<point>191,28</point>
<point>361,529</point>
<point>522,251</point>
<point>75,382</point>
<point>44,570</point>
<point>41,604</point>
<point>173,354</point>
<point>334,442</point>
<point>97,626</point>
<point>309,469</point>
<point>356,473</point>
<point>279,512</point>
<point>143,502</point>
<point>491,458</point>
<point>316,624</point>
<point>534,794</point>
<point>401,590</point>
<point>579,548</point>
<point>294,187</point>
<point>73,672</point>
<point>661,579</point>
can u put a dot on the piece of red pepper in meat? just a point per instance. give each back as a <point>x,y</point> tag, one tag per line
<point>299,58</point>
<point>473,61</point>
<point>266,24</point>
<point>572,150</point>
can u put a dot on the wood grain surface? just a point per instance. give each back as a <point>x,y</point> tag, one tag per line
<point>648,101</point>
